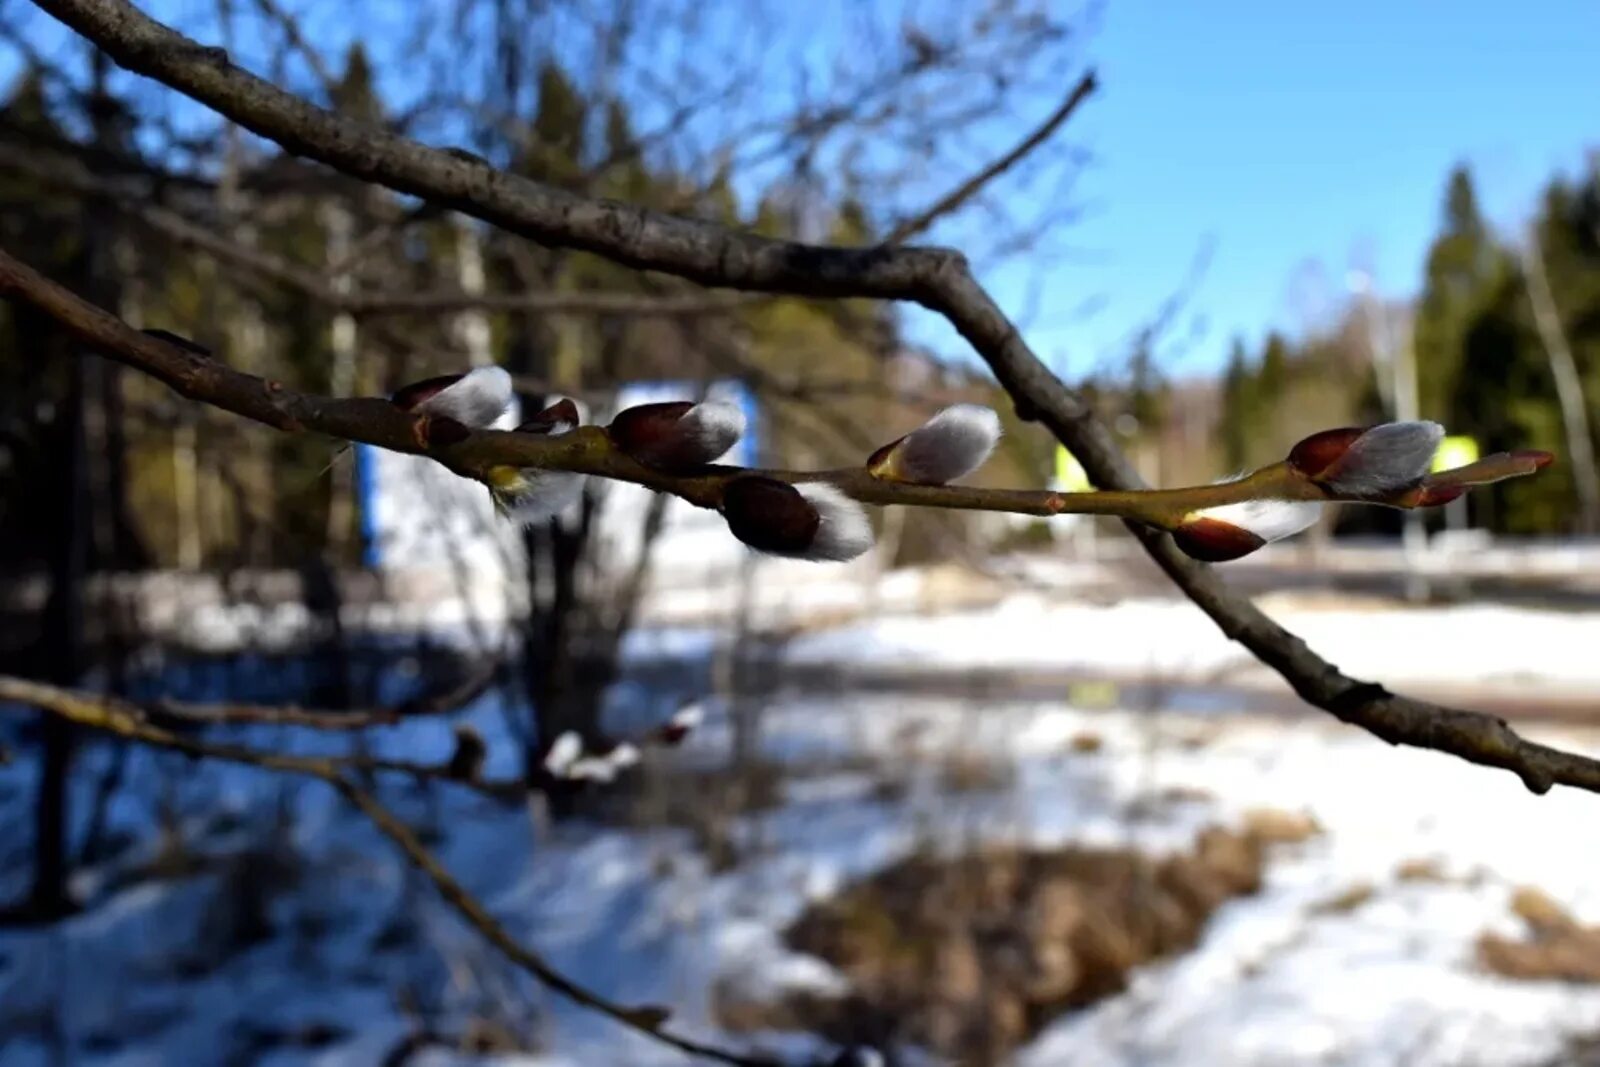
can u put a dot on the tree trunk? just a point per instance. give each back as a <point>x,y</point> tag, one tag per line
<point>61,658</point>
<point>1569,386</point>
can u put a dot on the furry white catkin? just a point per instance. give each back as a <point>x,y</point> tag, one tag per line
<point>951,445</point>
<point>529,495</point>
<point>1386,459</point>
<point>537,495</point>
<point>564,752</point>
<point>712,427</point>
<point>1270,520</point>
<point>843,532</point>
<point>477,400</point>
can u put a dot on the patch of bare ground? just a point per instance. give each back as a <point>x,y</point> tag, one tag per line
<point>1557,946</point>
<point>971,956</point>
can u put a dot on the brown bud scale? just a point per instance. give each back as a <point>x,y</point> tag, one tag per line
<point>881,463</point>
<point>407,397</point>
<point>770,515</point>
<point>650,434</point>
<point>1215,541</point>
<point>562,412</point>
<point>1315,454</point>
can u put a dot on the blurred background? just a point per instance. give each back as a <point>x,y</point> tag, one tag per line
<point>994,793</point>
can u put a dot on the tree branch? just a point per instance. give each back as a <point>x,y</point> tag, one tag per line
<point>320,288</point>
<point>440,703</point>
<point>115,717</point>
<point>313,59</point>
<point>589,450</point>
<point>955,198</point>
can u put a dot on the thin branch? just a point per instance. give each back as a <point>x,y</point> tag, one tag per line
<point>700,250</point>
<point>440,703</point>
<point>1470,735</point>
<point>955,198</point>
<point>432,302</point>
<point>321,289</point>
<point>115,717</point>
<point>291,31</point>
<point>589,449</point>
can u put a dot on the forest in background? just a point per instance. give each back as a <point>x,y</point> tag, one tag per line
<point>1483,364</point>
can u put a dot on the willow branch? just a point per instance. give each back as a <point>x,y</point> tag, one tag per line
<point>123,720</point>
<point>589,449</point>
<point>1473,736</point>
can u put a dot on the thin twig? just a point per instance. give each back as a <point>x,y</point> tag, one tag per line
<point>115,717</point>
<point>440,703</point>
<point>920,222</point>
<point>297,40</point>
<point>589,449</point>
<point>320,287</point>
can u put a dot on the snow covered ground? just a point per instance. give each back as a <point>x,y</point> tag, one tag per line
<point>330,958</point>
<point>1493,646</point>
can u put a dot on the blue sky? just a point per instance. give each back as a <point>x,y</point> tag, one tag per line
<point>1296,134</point>
<point>1294,140</point>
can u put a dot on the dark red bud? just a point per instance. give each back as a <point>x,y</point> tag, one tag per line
<point>407,397</point>
<point>1215,541</point>
<point>650,434</point>
<point>672,733</point>
<point>770,515</point>
<point>1314,455</point>
<point>562,412</point>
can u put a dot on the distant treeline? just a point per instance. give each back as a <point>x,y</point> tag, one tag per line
<point>1482,366</point>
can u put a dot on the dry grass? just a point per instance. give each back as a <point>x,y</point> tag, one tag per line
<point>971,955</point>
<point>1346,900</point>
<point>1276,827</point>
<point>1558,947</point>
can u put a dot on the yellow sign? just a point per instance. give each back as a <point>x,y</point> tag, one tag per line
<point>1070,475</point>
<point>1455,452</point>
